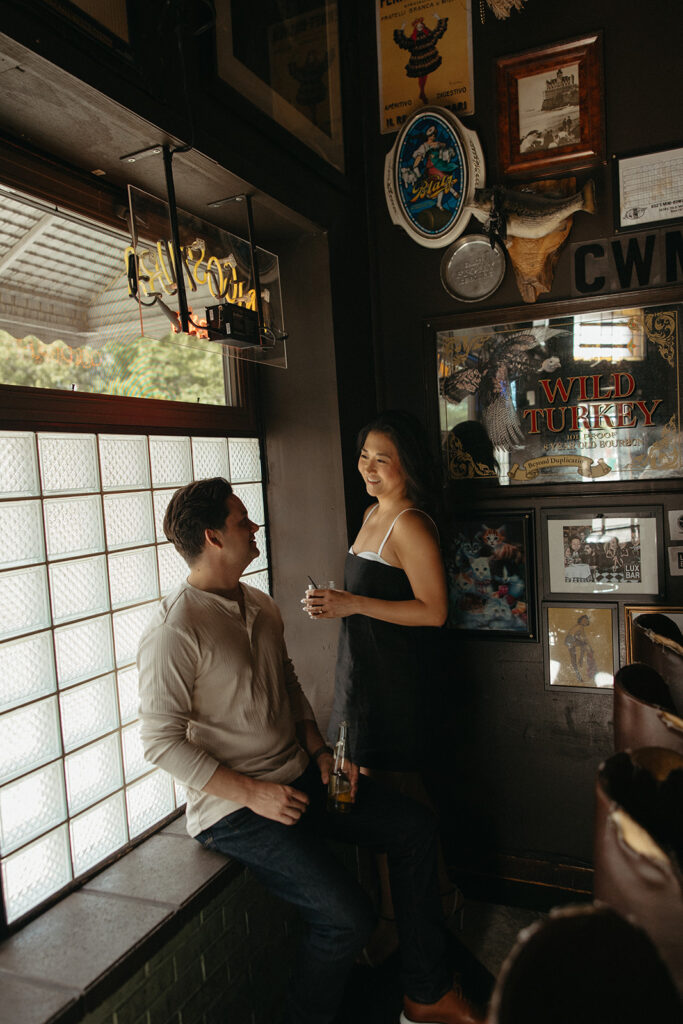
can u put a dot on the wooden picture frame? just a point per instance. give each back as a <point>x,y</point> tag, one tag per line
<point>490,574</point>
<point>550,108</point>
<point>631,613</point>
<point>580,646</point>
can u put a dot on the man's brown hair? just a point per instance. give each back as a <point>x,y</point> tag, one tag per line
<point>200,506</point>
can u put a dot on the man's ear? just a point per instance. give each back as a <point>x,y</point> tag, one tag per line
<point>213,538</point>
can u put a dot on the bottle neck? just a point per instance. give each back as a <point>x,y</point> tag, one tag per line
<point>340,748</point>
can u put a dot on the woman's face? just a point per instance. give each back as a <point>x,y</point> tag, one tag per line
<point>380,466</point>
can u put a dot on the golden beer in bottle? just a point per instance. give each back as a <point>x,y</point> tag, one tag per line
<point>339,787</point>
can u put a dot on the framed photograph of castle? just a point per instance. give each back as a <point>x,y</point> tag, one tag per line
<point>489,571</point>
<point>550,108</point>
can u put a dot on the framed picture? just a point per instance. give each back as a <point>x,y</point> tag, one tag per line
<point>574,398</point>
<point>424,55</point>
<point>488,559</point>
<point>580,646</point>
<point>632,611</point>
<point>550,108</point>
<point>648,189</point>
<point>602,554</point>
<point>288,66</point>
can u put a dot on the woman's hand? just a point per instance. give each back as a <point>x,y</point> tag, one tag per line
<point>329,604</point>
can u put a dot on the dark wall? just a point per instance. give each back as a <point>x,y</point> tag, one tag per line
<point>515,763</point>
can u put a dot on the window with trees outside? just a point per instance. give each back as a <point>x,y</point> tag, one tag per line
<point>87,466</point>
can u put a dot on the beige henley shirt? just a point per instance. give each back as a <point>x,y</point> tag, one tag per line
<point>217,689</point>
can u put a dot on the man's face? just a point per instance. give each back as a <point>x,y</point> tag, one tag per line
<point>238,533</point>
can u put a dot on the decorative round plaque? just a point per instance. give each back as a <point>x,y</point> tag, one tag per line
<point>471,270</point>
<point>430,175</point>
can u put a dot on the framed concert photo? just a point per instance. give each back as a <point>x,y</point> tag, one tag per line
<point>489,571</point>
<point>602,554</point>
<point>580,646</point>
<point>550,108</point>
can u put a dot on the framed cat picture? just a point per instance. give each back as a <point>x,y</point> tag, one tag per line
<point>489,571</point>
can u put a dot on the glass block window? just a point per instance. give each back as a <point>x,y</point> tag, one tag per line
<point>83,563</point>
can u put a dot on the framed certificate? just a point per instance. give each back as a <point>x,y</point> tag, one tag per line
<point>648,189</point>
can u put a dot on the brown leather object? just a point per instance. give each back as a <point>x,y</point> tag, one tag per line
<point>651,645</point>
<point>584,965</point>
<point>639,846</point>
<point>644,713</point>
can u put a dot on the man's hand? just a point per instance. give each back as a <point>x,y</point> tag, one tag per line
<point>275,801</point>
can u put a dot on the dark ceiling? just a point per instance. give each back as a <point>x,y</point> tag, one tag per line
<point>53,111</point>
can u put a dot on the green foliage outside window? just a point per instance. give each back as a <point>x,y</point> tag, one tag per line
<point>177,368</point>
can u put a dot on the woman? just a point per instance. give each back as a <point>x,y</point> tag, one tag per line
<point>395,588</point>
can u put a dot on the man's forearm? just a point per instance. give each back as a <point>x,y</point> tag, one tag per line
<point>267,799</point>
<point>229,785</point>
<point>309,736</point>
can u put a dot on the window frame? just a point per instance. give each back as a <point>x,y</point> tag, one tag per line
<point>45,409</point>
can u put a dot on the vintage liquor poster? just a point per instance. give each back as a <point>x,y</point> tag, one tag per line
<point>424,56</point>
<point>575,398</point>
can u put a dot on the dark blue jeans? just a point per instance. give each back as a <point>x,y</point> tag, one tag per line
<point>295,863</point>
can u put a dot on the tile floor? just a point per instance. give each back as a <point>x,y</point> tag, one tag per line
<point>488,933</point>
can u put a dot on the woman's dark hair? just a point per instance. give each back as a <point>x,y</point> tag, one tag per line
<point>475,441</point>
<point>414,451</point>
<point>193,509</point>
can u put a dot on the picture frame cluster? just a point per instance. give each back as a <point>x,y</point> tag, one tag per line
<point>576,601</point>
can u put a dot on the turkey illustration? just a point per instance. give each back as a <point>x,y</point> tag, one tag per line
<point>501,361</point>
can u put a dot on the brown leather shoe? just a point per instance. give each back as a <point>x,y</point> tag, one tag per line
<point>450,1009</point>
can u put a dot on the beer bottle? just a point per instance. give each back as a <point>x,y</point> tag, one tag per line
<point>339,786</point>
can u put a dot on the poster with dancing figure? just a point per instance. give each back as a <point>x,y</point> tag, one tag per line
<point>424,56</point>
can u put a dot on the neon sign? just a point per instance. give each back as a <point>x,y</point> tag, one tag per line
<point>157,268</point>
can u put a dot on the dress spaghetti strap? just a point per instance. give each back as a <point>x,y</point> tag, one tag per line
<point>388,533</point>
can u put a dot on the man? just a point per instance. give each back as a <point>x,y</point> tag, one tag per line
<point>222,710</point>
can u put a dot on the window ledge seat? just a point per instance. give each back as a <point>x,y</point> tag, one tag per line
<point>100,947</point>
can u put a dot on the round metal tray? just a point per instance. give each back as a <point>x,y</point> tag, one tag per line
<point>471,270</point>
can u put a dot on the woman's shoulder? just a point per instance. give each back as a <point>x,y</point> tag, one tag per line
<point>369,510</point>
<point>412,521</point>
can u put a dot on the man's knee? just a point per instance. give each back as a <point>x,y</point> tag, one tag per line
<point>356,918</point>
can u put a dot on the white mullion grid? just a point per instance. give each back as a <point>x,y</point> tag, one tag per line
<point>120,790</point>
<point>51,627</point>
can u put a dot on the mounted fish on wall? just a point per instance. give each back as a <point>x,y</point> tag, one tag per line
<point>533,223</point>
